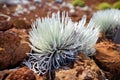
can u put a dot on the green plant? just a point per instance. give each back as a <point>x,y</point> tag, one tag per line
<point>80,3</point>
<point>104,5</point>
<point>108,21</point>
<point>56,41</point>
<point>116,5</point>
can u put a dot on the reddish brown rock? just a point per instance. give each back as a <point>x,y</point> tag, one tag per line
<point>4,74</point>
<point>23,73</point>
<point>108,58</point>
<point>5,26</point>
<point>20,24</point>
<point>84,69</point>
<point>13,49</point>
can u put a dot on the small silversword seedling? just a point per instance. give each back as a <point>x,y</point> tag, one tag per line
<point>56,41</point>
<point>108,20</point>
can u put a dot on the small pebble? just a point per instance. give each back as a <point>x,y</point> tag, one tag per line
<point>59,1</point>
<point>37,1</point>
<point>31,8</point>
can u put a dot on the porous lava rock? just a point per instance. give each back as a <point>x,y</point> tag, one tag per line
<point>23,73</point>
<point>108,59</point>
<point>83,69</point>
<point>13,48</point>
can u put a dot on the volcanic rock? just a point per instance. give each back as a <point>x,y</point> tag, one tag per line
<point>84,69</point>
<point>13,48</point>
<point>108,58</point>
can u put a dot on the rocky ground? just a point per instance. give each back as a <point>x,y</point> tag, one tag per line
<point>15,21</point>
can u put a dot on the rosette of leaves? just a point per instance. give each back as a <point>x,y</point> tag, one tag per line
<point>116,5</point>
<point>108,21</point>
<point>56,41</point>
<point>80,3</point>
<point>104,5</point>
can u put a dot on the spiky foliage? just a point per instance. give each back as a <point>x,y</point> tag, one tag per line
<point>55,42</point>
<point>108,20</point>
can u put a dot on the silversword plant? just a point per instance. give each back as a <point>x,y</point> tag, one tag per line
<point>108,21</point>
<point>56,41</point>
<point>14,2</point>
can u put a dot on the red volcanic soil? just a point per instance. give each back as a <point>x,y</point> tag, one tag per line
<point>15,21</point>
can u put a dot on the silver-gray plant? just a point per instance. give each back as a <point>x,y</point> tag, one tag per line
<point>56,41</point>
<point>14,2</point>
<point>108,20</point>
